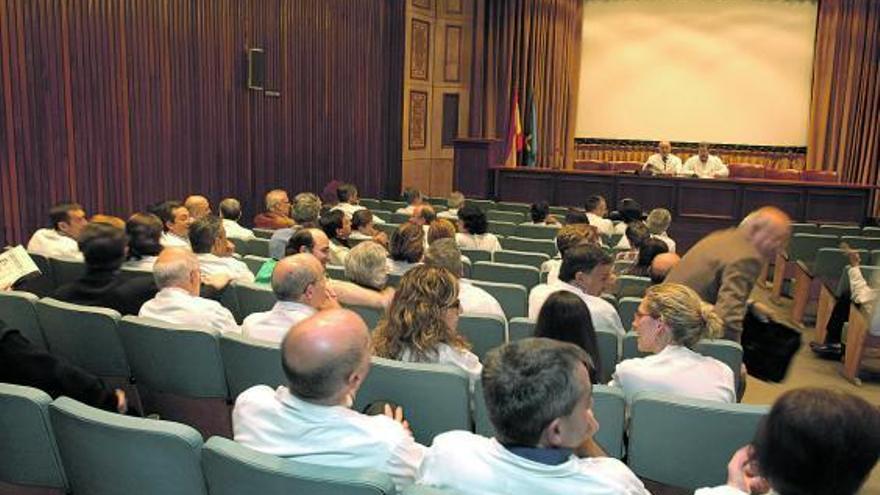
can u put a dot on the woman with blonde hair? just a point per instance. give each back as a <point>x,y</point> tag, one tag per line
<point>669,322</point>
<point>420,325</point>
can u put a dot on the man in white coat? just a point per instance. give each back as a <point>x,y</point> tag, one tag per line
<point>539,398</point>
<point>704,165</point>
<point>663,162</point>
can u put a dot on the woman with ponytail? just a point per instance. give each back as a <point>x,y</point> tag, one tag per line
<point>669,322</point>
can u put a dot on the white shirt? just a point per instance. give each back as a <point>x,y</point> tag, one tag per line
<point>169,239</point>
<point>349,210</point>
<point>551,268</point>
<point>475,300</point>
<point>53,244</point>
<point>211,264</point>
<point>236,231</point>
<point>359,236</point>
<point>338,254</point>
<point>604,225</point>
<point>446,354</point>
<point>406,210</point>
<point>485,242</point>
<point>177,306</point>
<point>468,464</point>
<point>273,325</point>
<point>145,263</point>
<point>451,214</point>
<point>603,314</point>
<point>676,370</point>
<point>655,164</point>
<point>667,240</point>
<point>713,167</point>
<point>278,423</point>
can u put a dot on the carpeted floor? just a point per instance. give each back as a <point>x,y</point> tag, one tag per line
<point>810,371</point>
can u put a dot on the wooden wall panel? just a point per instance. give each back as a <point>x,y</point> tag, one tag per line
<point>121,104</point>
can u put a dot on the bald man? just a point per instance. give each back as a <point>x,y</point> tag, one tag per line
<point>198,206</point>
<point>723,267</point>
<point>661,265</point>
<point>176,272</point>
<point>663,162</point>
<point>326,358</point>
<point>301,288</point>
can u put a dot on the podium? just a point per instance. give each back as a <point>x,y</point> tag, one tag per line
<point>473,157</point>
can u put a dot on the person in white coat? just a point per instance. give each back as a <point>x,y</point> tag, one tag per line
<point>176,272</point>
<point>539,398</point>
<point>326,358</point>
<point>704,165</point>
<point>669,322</point>
<point>663,162</point>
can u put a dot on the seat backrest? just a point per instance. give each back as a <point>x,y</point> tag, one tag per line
<point>174,359</point>
<point>533,245</point>
<point>242,248</point>
<point>248,362</point>
<point>370,315</point>
<point>483,332</point>
<point>28,454</point>
<point>476,255</point>
<point>632,286</point>
<point>17,311</point>
<point>371,204</point>
<point>387,227</point>
<point>537,231</point>
<point>513,298</point>
<point>336,272</point>
<point>501,228</point>
<point>875,257</point>
<point>630,346</point>
<point>870,273</point>
<point>107,454</point>
<point>392,206</point>
<point>861,242</point>
<point>400,218</point>
<point>435,397</point>
<point>258,247</point>
<point>527,276</point>
<point>803,247</point>
<point>424,490</point>
<point>253,298</point>
<point>804,228</point>
<point>42,285</point>
<point>521,208</point>
<point>254,262</point>
<point>382,214</point>
<point>782,174</point>
<point>75,332</point>
<point>263,233</point>
<point>869,231</point>
<point>521,258</point>
<point>66,271</point>
<point>520,328</point>
<point>746,170</point>
<point>697,437</point>
<point>231,469</point>
<point>820,176</point>
<point>609,352</point>
<point>626,308</point>
<point>839,230</point>
<point>505,216</point>
<point>830,263</point>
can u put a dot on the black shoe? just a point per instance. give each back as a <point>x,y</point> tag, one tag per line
<point>832,352</point>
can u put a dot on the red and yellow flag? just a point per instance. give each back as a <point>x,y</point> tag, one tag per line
<point>515,137</point>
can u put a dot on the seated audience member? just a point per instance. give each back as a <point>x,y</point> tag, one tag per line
<point>421,324</point>
<point>347,197</point>
<point>635,236</point>
<point>568,237</point>
<point>413,198</point>
<point>566,318</point>
<point>444,253</point>
<point>330,194</point>
<point>175,222</point>
<point>110,220</point>
<point>423,215</point>
<point>586,273</point>
<point>337,227</point>
<point>407,248</point>
<point>103,248</point>
<point>366,266</point>
<point>574,216</point>
<point>472,225</point>
<point>663,162</point>
<point>453,203</point>
<point>60,240</point>
<point>814,441</point>
<point>669,322</point>
<point>363,228</point>
<point>662,264</point>
<point>144,232</point>
<point>277,214</point>
<point>597,209</point>
<point>658,222</point>
<point>23,363</point>
<point>649,250</point>
<point>704,165</point>
<point>198,206</point>
<point>723,266</point>
<point>326,358</point>
<point>300,286</point>
<point>230,212</point>
<point>539,213</point>
<point>177,276</point>
<point>539,399</point>
<point>214,251</point>
<point>306,212</point>
<point>441,229</point>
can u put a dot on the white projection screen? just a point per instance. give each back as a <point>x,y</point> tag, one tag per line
<point>722,71</point>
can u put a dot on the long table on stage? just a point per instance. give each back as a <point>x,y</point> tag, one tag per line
<point>698,206</point>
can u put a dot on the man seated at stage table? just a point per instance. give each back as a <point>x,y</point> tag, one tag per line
<point>663,162</point>
<point>540,400</point>
<point>60,240</point>
<point>704,165</point>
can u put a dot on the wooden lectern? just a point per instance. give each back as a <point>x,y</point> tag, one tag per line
<point>470,172</point>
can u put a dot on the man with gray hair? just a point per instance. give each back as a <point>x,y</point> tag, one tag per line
<point>663,162</point>
<point>198,206</point>
<point>301,288</point>
<point>306,211</point>
<point>658,222</point>
<point>453,203</point>
<point>366,265</point>
<point>230,212</point>
<point>444,253</point>
<point>208,240</point>
<point>277,214</point>
<point>539,399</point>
<point>176,272</point>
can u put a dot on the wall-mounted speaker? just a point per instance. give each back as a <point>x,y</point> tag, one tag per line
<point>256,75</point>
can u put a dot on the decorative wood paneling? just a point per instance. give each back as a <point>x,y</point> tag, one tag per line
<point>420,50</point>
<point>418,119</point>
<point>452,54</point>
<point>120,104</point>
<point>450,116</point>
<point>454,7</point>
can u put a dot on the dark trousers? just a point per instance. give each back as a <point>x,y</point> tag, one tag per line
<point>839,316</point>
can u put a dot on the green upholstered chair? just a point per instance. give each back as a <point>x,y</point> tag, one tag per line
<point>248,362</point>
<point>513,217</point>
<point>626,308</point>
<point>531,245</point>
<point>483,332</point>
<point>531,231</point>
<point>476,255</point>
<point>513,298</point>
<point>631,286</point>
<point>527,276</point>
<point>258,247</point>
<point>253,298</point>
<point>521,258</point>
<point>17,310</point>
<point>501,228</point>
<point>254,262</point>
<point>66,271</point>
<point>370,315</point>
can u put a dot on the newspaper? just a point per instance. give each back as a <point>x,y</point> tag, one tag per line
<point>15,263</point>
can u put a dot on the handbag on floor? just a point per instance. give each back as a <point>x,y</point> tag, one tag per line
<point>768,346</point>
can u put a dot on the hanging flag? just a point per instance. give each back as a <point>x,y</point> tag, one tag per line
<point>514,131</point>
<point>531,132</point>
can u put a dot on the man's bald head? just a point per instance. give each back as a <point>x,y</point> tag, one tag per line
<point>198,206</point>
<point>326,356</point>
<point>664,147</point>
<point>661,265</point>
<point>177,267</point>
<point>768,229</point>
<point>293,275</point>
